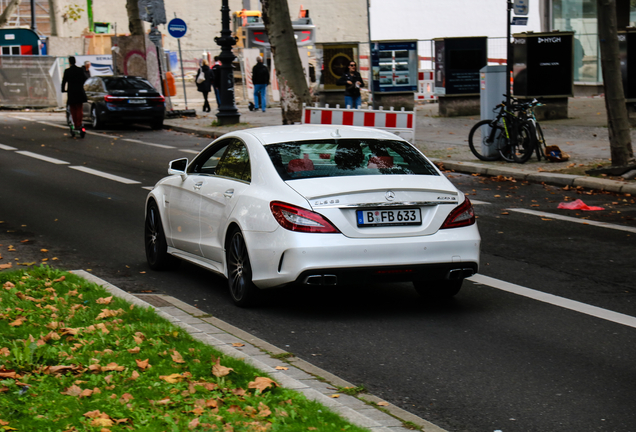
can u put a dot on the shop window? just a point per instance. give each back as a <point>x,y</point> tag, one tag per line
<point>11,50</point>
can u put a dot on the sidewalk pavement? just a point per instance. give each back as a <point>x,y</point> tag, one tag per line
<point>583,136</point>
<point>364,410</point>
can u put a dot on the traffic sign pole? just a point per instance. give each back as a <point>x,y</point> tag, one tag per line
<point>177,29</point>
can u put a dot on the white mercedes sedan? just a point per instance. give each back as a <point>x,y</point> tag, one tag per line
<point>313,205</point>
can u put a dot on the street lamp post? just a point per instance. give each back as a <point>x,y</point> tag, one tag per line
<point>227,114</point>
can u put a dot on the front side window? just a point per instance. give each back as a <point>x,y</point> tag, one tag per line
<point>347,157</point>
<point>228,158</point>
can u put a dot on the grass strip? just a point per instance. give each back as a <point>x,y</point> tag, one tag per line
<point>74,358</point>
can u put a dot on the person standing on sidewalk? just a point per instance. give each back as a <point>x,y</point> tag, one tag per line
<point>204,81</point>
<point>87,69</point>
<point>216,82</point>
<point>353,82</point>
<point>260,79</point>
<point>73,84</point>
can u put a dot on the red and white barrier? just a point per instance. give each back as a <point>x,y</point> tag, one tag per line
<point>425,86</point>
<point>401,123</point>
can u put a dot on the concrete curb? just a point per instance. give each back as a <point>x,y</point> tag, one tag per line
<point>315,383</point>
<point>540,177</point>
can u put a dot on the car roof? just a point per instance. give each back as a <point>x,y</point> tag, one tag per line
<point>277,134</point>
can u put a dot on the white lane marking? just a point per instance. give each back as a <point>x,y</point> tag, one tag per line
<point>563,302</point>
<point>22,118</point>
<point>53,124</point>
<point>477,202</point>
<point>43,158</point>
<point>190,151</point>
<point>104,175</point>
<point>148,187</point>
<point>6,147</point>
<point>149,144</point>
<point>573,219</point>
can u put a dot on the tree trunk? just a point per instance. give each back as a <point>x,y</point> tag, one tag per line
<point>617,120</point>
<point>289,70</point>
<point>135,25</point>
<point>53,16</point>
<point>8,11</point>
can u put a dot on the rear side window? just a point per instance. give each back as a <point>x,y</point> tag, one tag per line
<point>127,83</point>
<point>347,157</point>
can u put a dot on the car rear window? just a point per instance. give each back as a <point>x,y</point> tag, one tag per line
<point>347,157</point>
<point>127,83</point>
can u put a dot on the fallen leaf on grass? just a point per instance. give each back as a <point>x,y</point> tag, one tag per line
<point>5,352</point>
<point>172,378</point>
<point>176,357</point>
<point>73,390</point>
<point>383,403</point>
<point>220,371</point>
<point>134,350</point>
<point>262,383</point>
<point>143,364</point>
<point>17,322</point>
<point>104,300</point>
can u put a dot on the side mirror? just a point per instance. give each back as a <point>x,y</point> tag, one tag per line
<point>178,167</point>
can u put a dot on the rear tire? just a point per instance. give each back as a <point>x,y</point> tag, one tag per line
<point>155,242</point>
<point>479,138</point>
<point>541,145</point>
<point>96,120</point>
<point>439,289</point>
<point>157,124</point>
<point>239,271</point>
<point>523,147</point>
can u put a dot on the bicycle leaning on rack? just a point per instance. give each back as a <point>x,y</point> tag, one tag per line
<point>508,136</point>
<point>526,111</point>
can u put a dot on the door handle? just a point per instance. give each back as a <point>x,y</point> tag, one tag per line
<point>228,193</point>
<point>197,186</point>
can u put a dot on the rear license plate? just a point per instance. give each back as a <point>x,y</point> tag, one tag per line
<point>393,217</point>
<point>137,101</point>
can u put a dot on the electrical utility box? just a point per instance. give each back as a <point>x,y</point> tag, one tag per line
<point>492,89</point>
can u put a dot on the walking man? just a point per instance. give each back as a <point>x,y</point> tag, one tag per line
<point>260,79</point>
<point>216,84</point>
<point>73,84</point>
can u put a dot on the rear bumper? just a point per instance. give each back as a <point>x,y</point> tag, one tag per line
<point>284,257</point>
<point>123,113</point>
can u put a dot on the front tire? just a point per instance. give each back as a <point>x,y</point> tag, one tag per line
<point>239,271</point>
<point>439,290</point>
<point>479,139</point>
<point>157,124</point>
<point>155,242</point>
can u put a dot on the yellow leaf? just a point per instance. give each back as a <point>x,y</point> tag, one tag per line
<point>172,379</point>
<point>102,422</point>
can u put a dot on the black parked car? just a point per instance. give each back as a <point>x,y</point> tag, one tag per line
<point>123,99</point>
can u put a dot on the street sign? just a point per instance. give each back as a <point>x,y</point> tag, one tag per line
<point>177,28</point>
<point>519,20</point>
<point>521,7</point>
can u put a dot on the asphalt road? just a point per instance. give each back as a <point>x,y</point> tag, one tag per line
<point>487,360</point>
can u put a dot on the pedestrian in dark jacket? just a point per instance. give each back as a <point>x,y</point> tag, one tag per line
<point>260,79</point>
<point>73,84</point>
<point>87,69</point>
<point>204,81</point>
<point>352,82</point>
<point>216,69</point>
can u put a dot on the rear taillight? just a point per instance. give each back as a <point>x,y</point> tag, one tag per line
<point>111,99</point>
<point>298,219</point>
<point>157,99</point>
<point>463,215</point>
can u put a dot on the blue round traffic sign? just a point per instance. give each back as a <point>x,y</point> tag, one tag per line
<point>177,28</point>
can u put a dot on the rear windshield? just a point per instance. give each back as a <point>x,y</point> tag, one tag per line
<point>347,157</point>
<point>128,83</point>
